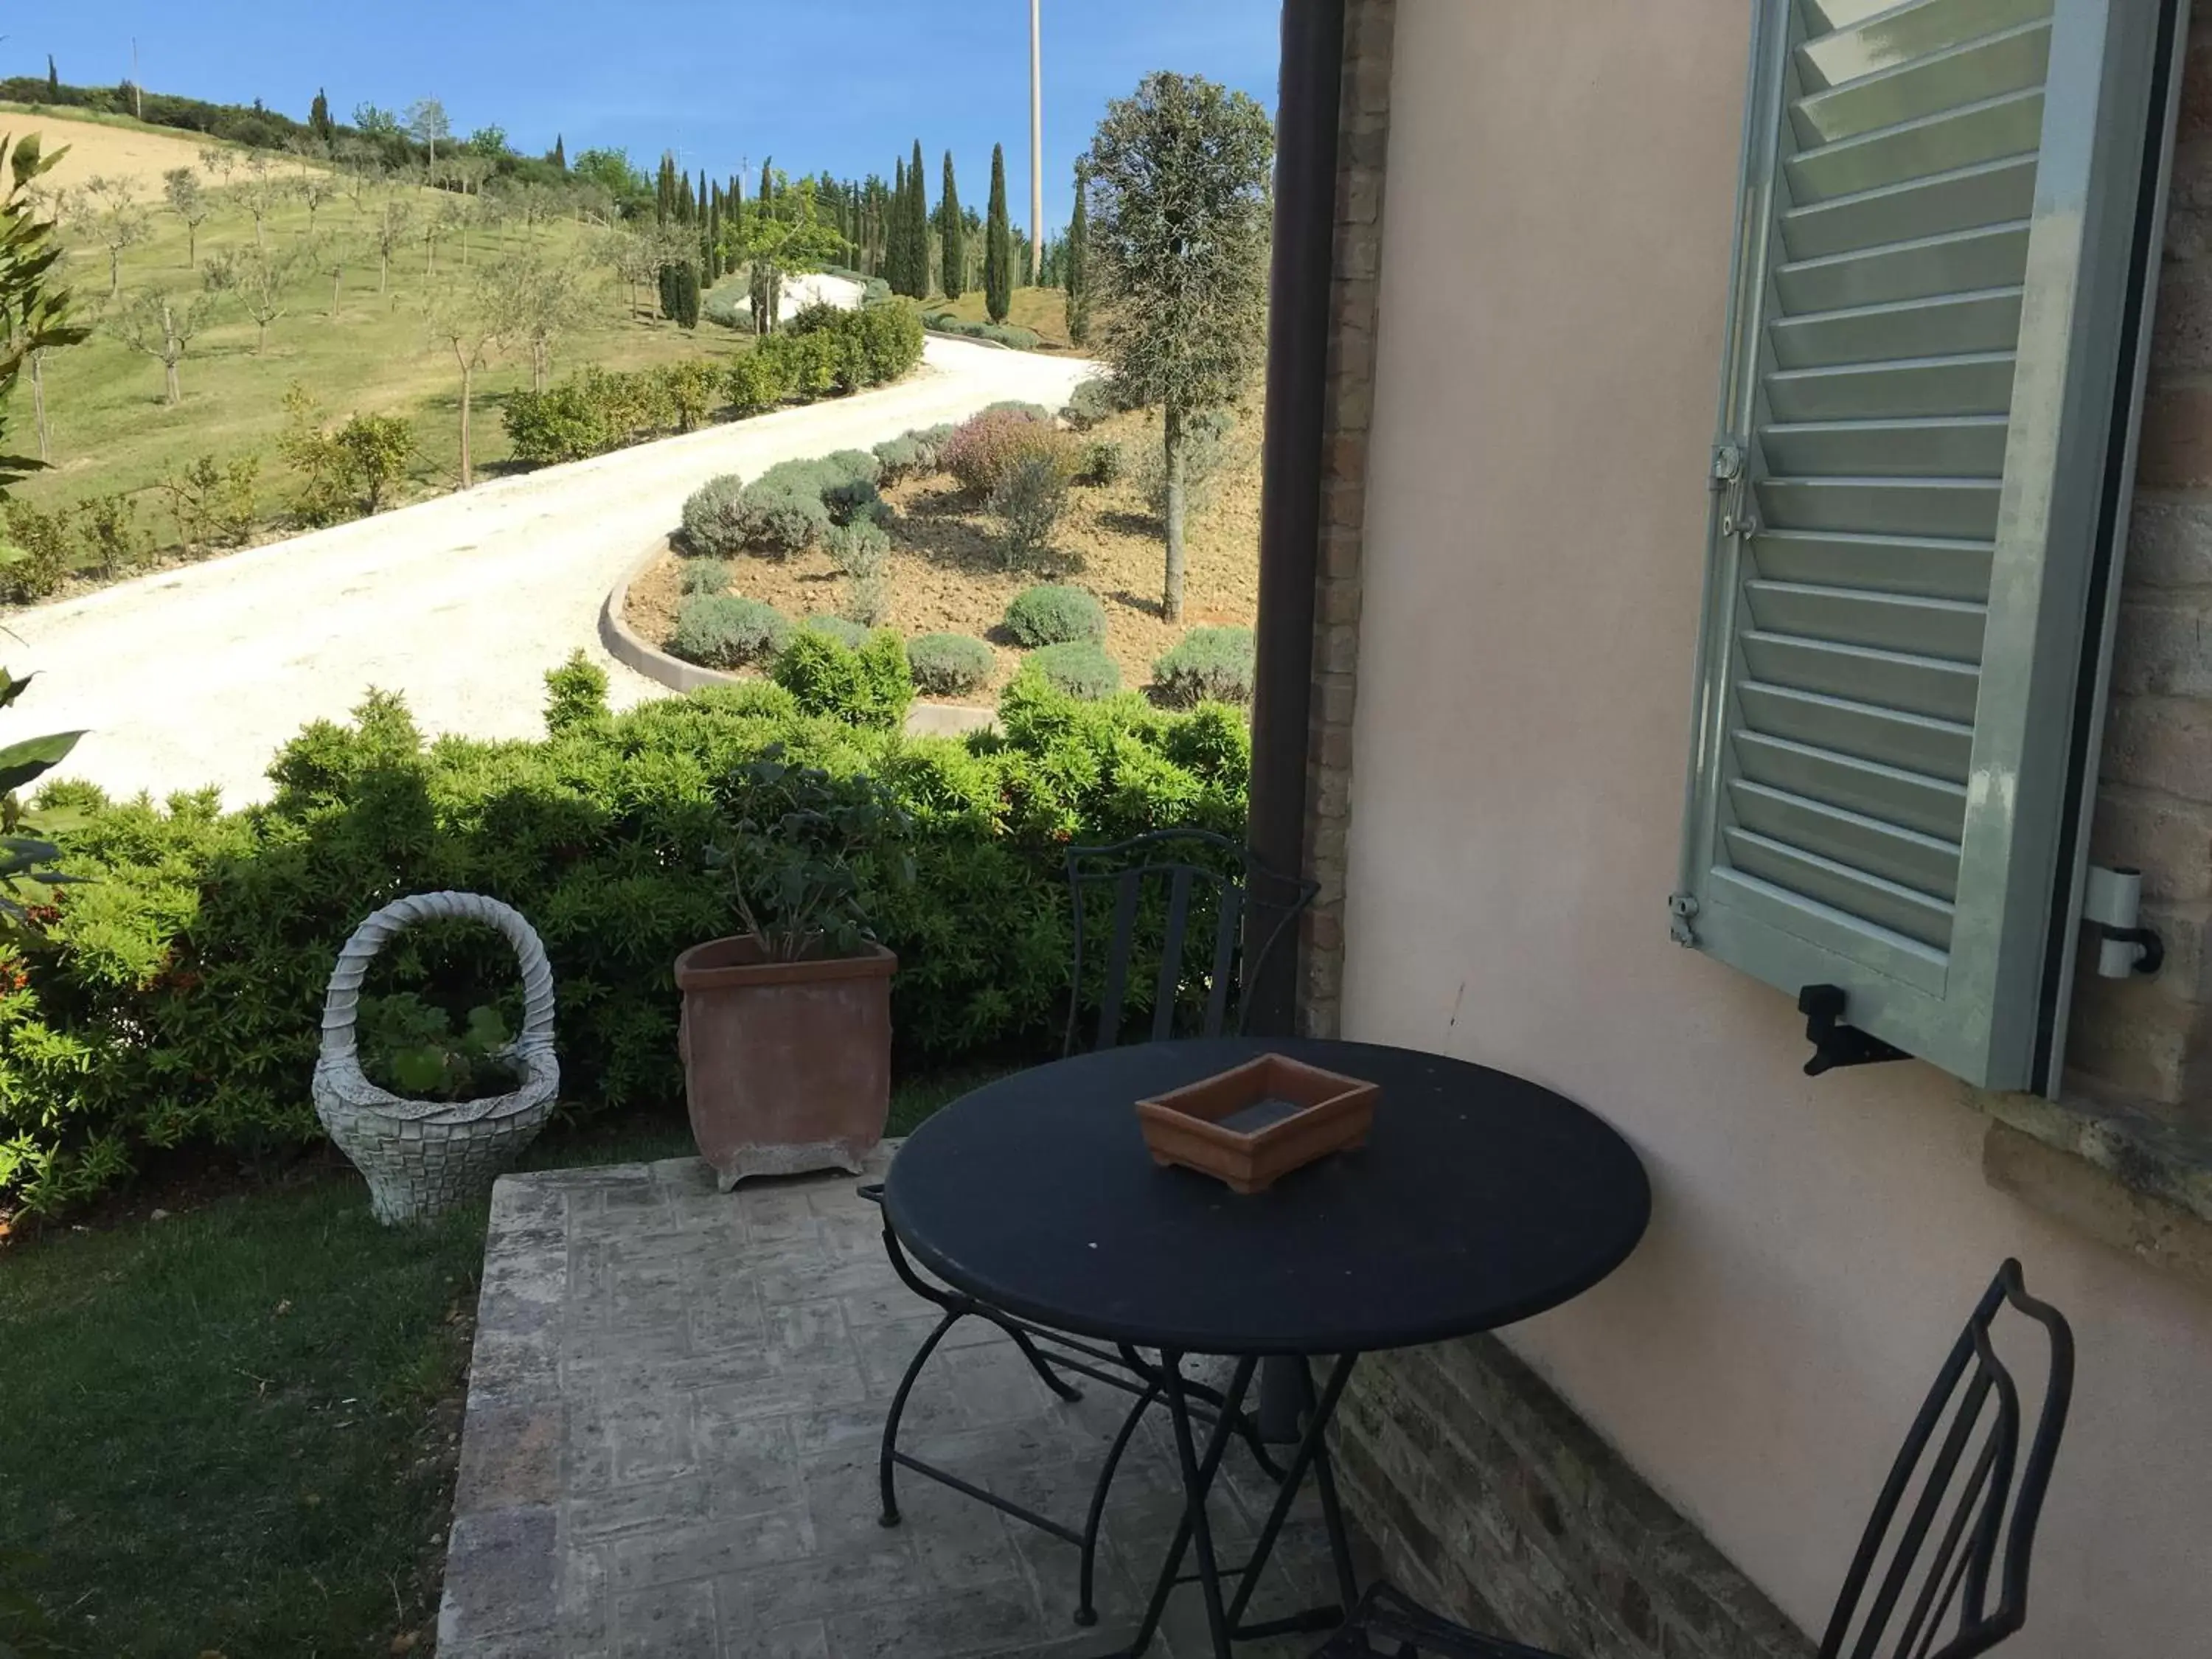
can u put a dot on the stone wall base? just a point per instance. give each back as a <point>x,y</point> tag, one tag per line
<point>1488,1499</point>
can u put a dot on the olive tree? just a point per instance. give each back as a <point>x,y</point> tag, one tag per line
<point>106,209</point>
<point>1179,226</point>
<point>392,229</point>
<point>262,277</point>
<point>180,188</point>
<point>261,192</point>
<point>539,295</point>
<point>473,320</point>
<point>162,325</point>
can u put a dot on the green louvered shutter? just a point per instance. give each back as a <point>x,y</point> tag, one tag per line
<point>1917,495</point>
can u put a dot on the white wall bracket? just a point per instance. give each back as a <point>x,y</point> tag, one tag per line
<point>2113,906</point>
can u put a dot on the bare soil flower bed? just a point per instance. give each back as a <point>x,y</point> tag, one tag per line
<point>948,575</point>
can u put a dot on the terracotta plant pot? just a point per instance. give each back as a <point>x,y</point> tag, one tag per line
<point>787,1065</point>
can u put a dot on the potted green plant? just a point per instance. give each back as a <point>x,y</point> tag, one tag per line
<point>786,1025</point>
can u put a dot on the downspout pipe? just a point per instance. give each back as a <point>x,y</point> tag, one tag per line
<point>1308,110</point>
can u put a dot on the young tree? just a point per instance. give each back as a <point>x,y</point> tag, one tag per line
<point>428,127</point>
<point>430,227</point>
<point>261,193</point>
<point>34,311</point>
<point>162,325</point>
<point>318,118</point>
<point>261,278</point>
<point>490,143</point>
<point>218,161</point>
<point>467,318</point>
<point>331,254</point>
<point>392,229</point>
<point>316,188</point>
<point>107,211</point>
<point>539,294</point>
<point>1075,265</point>
<point>951,239</point>
<point>1179,175</point>
<point>776,244</point>
<point>180,188</point>
<point>373,121</point>
<point>998,245</point>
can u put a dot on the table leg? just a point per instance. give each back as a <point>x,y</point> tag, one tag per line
<point>1312,1452</point>
<point>1198,1477</point>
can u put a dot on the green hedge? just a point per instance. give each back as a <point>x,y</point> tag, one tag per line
<point>179,998</point>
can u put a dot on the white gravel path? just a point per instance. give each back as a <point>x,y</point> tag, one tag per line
<point>194,677</point>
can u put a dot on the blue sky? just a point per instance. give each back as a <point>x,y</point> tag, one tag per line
<point>842,84</point>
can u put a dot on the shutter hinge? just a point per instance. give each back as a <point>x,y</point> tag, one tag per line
<point>1731,476</point>
<point>1681,907</point>
<point>1835,1043</point>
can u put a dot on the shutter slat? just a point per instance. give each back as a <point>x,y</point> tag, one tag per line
<point>1908,624</point>
<point>1918,685</point>
<point>1895,564</point>
<point>1991,256</point>
<point>1915,743</point>
<point>1963,509</point>
<point>1970,446</point>
<point>1869,846</point>
<point>1987,320</point>
<point>1932,806</point>
<point>1891,34</point>
<point>1978,383</point>
<point>2010,61</point>
<point>1993,130</point>
<point>1921,917</point>
<point>1965,198</point>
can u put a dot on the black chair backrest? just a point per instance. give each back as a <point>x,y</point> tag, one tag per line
<point>1212,910</point>
<point>1961,1485</point>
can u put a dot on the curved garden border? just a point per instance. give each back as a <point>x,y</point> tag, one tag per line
<point>624,644</point>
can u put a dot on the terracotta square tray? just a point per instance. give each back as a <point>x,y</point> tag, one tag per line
<point>1253,1125</point>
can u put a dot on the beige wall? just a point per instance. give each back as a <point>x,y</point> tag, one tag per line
<point>1562,177</point>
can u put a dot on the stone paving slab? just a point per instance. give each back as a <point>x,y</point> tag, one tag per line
<point>669,1448</point>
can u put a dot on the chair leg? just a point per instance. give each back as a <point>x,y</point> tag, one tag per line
<point>1086,1612</point>
<point>886,1463</point>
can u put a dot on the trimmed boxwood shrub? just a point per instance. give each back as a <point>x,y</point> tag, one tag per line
<point>703,576</point>
<point>1081,668</point>
<point>755,382</point>
<point>1207,665</point>
<point>950,665</point>
<point>178,999</point>
<point>715,520</point>
<point>721,630</point>
<point>870,686</point>
<point>1052,614</point>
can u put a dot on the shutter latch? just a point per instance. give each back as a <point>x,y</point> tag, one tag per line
<point>2113,906</point>
<point>1681,907</point>
<point>1835,1043</point>
<point>1731,478</point>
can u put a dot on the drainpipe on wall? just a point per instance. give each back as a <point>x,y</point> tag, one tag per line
<point>1308,110</point>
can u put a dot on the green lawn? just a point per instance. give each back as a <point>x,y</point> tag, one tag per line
<point>231,1431</point>
<point>1041,309</point>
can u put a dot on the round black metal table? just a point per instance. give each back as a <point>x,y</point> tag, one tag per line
<point>1480,1199</point>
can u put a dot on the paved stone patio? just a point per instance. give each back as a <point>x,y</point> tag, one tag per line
<point>670,1442</point>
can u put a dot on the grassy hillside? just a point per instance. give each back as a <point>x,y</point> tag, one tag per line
<point>356,348</point>
<point>1043,310</point>
<point>113,146</point>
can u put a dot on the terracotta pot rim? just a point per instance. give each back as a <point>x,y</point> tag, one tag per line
<point>698,970</point>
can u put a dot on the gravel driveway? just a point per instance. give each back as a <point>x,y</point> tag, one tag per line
<point>195,676</point>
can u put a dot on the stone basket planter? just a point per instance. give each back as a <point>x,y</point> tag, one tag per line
<point>422,1157</point>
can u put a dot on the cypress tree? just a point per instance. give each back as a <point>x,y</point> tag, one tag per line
<point>917,225</point>
<point>715,239</point>
<point>685,292</point>
<point>951,239</point>
<point>53,76</point>
<point>663,193</point>
<point>767,195</point>
<point>895,232</point>
<point>1075,265</point>
<point>560,153</point>
<point>318,116</point>
<point>998,244</point>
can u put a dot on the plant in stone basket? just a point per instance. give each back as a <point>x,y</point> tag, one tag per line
<point>410,1047</point>
<point>785,1033</point>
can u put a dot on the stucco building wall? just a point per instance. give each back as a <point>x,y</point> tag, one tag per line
<point>1561,181</point>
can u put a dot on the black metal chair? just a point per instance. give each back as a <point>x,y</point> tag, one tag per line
<point>1212,914</point>
<point>1975,1495</point>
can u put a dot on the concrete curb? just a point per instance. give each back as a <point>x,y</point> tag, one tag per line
<point>622,643</point>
